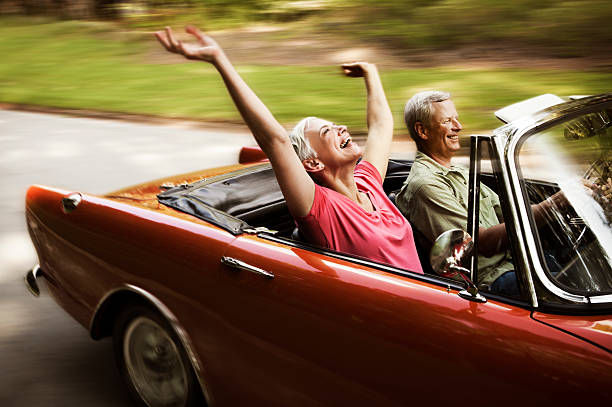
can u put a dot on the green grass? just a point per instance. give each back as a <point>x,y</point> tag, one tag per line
<point>84,65</point>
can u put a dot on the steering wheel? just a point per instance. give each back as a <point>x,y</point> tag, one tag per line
<point>598,178</point>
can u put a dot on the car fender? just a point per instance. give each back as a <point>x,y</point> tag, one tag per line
<point>110,306</point>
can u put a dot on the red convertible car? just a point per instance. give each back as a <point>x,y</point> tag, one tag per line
<point>211,298</point>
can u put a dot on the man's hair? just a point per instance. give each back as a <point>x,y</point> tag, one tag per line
<point>299,141</point>
<point>419,109</point>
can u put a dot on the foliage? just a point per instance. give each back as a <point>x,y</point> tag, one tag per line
<point>562,28</point>
<point>89,65</point>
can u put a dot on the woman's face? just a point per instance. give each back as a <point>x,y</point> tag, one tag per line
<point>333,143</point>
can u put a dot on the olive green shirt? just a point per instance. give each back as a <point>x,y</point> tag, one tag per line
<point>435,199</point>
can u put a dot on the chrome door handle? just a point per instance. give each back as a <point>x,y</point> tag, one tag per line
<point>240,265</point>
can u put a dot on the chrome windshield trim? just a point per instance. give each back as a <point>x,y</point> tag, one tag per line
<point>600,299</point>
<point>515,133</point>
<point>498,144</point>
<point>528,127</point>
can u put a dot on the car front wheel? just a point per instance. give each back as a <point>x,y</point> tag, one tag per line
<point>152,360</point>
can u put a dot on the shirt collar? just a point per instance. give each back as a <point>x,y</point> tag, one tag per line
<point>434,166</point>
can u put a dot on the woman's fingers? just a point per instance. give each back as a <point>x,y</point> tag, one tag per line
<point>353,69</point>
<point>161,37</point>
<point>202,38</point>
<point>170,36</point>
<point>167,40</point>
<point>180,47</point>
<point>195,31</point>
<point>206,48</point>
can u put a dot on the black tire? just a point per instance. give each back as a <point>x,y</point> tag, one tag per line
<point>152,361</point>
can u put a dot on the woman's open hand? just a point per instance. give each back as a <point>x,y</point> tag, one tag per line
<point>206,49</point>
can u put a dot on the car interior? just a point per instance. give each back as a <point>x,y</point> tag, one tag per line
<point>252,199</point>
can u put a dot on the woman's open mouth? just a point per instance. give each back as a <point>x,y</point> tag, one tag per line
<point>346,142</point>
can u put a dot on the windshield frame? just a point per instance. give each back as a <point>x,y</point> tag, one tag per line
<point>516,134</point>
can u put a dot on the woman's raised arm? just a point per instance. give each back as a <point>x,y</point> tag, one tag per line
<point>379,117</point>
<point>295,183</point>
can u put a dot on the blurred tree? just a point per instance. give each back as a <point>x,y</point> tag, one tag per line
<point>107,9</point>
<point>60,8</point>
<point>560,27</point>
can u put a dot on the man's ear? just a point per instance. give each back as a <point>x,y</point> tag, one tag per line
<point>313,165</point>
<point>420,130</point>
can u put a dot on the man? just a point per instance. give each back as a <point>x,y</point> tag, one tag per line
<point>346,209</point>
<point>434,197</point>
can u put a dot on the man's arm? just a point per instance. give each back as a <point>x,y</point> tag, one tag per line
<point>435,209</point>
<point>379,117</point>
<point>295,183</point>
<point>494,239</point>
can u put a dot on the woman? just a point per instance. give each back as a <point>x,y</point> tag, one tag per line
<point>346,209</point>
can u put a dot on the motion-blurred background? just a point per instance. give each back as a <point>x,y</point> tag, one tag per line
<point>100,54</point>
<point>98,58</point>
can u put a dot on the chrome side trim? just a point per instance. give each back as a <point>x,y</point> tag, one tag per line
<point>30,280</point>
<point>240,265</point>
<point>259,229</point>
<point>174,323</point>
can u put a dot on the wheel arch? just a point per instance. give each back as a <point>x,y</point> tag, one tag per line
<point>114,302</point>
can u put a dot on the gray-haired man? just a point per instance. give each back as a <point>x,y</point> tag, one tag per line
<point>434,197</point>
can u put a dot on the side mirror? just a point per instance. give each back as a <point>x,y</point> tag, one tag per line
<point>447,254</point>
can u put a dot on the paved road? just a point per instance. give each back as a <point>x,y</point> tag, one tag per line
<point>46,358</point>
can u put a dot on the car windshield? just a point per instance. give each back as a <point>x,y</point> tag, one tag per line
<point>569,167</point>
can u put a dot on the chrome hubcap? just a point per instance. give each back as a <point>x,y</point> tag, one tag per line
<point>154,364</point>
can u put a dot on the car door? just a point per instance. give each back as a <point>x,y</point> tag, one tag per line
<point>309,327</point>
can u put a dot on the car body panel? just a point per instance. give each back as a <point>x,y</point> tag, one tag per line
<point>320,327</point>
<point>596,329</point>
<point>109,243</point>
<point>355,321</point>
<point>316,327</point>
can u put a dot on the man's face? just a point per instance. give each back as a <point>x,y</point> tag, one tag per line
<point>442,134</point>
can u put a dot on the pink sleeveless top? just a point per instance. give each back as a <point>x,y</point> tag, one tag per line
<point>337,223</point>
